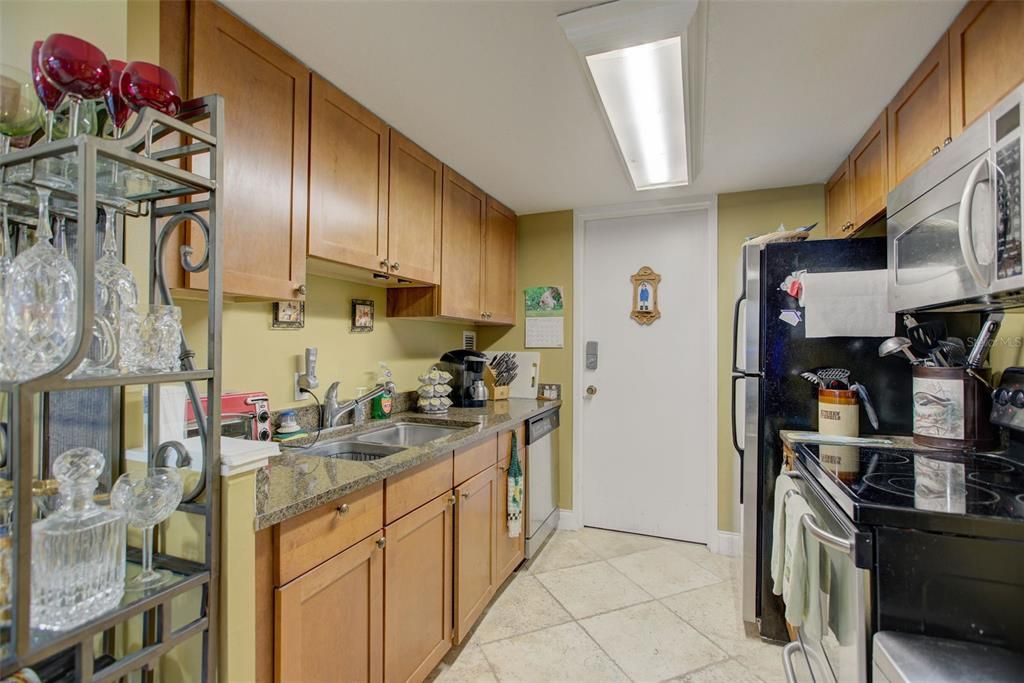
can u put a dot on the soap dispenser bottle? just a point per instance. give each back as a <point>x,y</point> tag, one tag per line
<point>384,403</point>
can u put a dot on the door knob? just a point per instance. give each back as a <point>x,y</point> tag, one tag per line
<point>591,390</point>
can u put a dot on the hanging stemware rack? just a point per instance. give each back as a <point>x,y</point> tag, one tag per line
<point>172,198</point>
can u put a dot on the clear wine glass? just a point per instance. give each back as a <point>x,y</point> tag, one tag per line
<point>147,499</point>
<point>117,295</point>
<point>88,120</point>
<point>75,66</point>
<point>41,312</point>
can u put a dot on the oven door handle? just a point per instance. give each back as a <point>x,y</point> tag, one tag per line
<point>825,537</point>
<point>966,228</point>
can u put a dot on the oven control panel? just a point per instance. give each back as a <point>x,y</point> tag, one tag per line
<point>1008,400</point>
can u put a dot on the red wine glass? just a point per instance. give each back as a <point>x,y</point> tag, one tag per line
<point>148,85</point>
<point>50,95</point>
<point>77,67</point>
<point>116,106</point>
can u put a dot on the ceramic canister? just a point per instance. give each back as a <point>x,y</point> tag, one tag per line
<point>839,415</point>
<point>951,408</point>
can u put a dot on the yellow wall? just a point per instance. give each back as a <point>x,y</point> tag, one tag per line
<point>102,22</point>
<point>544,252</point>
<point>742,215</point>
<point>257,357</point>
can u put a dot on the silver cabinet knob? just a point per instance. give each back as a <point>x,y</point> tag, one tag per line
<point>591,390</point>
<point>935,150</point>
<point>301,290</point>
<point>381,542</point>
<point>394,266</point>
<point>947,141</point>
<point>452,499</point>
<point>342,509</point>
<point>465,494</point>
<point>384,264</point>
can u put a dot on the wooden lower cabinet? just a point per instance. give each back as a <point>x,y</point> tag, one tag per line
<point>418,590</point>
<point>509,551</point>
<point>329,620</point>
<point>475,570</point>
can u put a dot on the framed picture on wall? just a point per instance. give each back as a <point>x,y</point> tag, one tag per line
<point>362,315</point>
<point>288,315</point>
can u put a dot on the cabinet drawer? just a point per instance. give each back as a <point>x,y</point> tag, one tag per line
<point>305,541</point>
<point>411,489</point>
<point>476,458</point>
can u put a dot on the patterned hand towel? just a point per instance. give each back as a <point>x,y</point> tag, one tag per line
<point>515,491</point>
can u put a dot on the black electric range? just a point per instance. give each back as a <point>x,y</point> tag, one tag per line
<point>973,494</point>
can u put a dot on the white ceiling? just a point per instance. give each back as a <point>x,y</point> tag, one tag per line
<point>495,90</point>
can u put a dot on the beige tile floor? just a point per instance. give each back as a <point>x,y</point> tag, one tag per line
<point>599,606</point>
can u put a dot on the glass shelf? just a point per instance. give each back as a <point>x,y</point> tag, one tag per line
<point>93,382</point>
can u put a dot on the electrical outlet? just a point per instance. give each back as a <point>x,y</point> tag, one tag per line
<point>295,385</point>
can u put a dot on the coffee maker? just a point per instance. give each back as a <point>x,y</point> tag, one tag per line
<point>467,370</point>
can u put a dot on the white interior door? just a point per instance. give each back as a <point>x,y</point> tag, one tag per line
<point>647,431</point>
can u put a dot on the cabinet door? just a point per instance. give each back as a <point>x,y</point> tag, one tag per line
<point>264,148</point>
<point>838,202</point>
<point>414,212</point>
<point>476,505</point>
<point>329,620</point>
<point>499,264</point>
<point>919,115</point>
<point>869,173</point>
<point>509,551</point>
<point>986,59</point>
<point>348,181</point>
<point>418,590</point>
<point>462,225</point>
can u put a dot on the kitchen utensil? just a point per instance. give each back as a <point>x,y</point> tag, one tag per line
<point>812,378</point>
<point>865,399</point>
<point>830,375</point>
<point>954,351</point>
<point>984,341</point>
<point>925,336</point>
<point>894,345</point>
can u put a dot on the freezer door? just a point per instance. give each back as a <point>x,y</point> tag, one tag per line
<point>748,516</point>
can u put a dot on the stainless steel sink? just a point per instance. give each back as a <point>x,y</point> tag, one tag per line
<point>352,450</point>
<point>407,434</point>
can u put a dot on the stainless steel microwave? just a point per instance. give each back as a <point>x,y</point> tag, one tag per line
<point>954,226</point>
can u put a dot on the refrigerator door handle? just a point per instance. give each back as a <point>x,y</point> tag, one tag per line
<point>736,328</point>
<point>735,433</point>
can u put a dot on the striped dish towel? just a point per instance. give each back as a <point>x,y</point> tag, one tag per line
<point>515,491</point>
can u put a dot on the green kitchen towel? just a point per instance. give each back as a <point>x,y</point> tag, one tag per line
<point>515,491</point>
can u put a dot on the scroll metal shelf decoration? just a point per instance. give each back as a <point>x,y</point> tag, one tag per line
<point>645,296</point>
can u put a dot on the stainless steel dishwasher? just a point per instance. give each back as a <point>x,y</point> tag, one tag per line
<point>541,479</point>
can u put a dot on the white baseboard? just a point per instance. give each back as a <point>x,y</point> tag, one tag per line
<point>569,520</point>
<point>728,543</point>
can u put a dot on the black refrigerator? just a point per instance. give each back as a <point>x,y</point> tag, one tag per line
<point>768,394</point>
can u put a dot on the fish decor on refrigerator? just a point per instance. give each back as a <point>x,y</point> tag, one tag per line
<point>645,296</point>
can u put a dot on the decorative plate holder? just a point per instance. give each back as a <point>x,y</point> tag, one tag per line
<point>645,296</point>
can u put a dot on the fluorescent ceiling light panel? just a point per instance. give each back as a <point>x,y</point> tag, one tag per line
<point>641,89</point>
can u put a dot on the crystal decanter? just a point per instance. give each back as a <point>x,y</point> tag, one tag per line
<point>78,552</point>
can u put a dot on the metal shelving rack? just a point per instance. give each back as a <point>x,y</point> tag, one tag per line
<point>183,198</point>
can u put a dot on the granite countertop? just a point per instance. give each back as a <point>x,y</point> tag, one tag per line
<point>295,481</point>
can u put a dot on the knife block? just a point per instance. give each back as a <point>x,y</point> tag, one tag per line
<point>496,392</point>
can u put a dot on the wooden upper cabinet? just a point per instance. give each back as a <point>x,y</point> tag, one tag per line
<point>869,173</point>
<point>348,184</point>
<point>264,148</point>
<point>329,620</point>
<point>986,59</point>
<point>839,206</point>
<point>475,571</point>
<point>919,115</point>
<point>498,295</point>
<point>414,212</point>
<point>462,230</point>
<point>418,590</point>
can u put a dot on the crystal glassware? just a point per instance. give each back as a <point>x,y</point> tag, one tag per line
<point>116,105</point>
<point>154,341</point>
<point>78,551</point>
<point>148,85</point>
<point>19,108</point>
<point>41,310</point>
<point>117,295</point>
<point>88,120</point>
<point>146,500</point>
<point>75,66</point>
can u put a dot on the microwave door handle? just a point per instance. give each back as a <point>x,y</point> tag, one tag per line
<point>966,229</point>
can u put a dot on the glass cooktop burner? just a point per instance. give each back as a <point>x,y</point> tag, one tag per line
<point>938,481</point>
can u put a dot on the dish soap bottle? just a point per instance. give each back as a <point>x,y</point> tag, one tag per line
<point>78,552</point>
<point>383,405</point>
